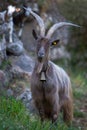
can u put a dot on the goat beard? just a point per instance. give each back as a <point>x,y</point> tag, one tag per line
<point>40,67</point>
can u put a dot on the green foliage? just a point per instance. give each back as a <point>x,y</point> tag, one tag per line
<point>76,11</point>
<point>14,116</point>
<point>78,113</point>
<point>79,83</point>
<point>41,2</point>
<point>78,94</point>
<point>5,64</point>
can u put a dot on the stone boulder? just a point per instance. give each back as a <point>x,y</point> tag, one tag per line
<point>15,48</point>
<point>20,91</point>
<point>26,98</point>
<point>24,61</point>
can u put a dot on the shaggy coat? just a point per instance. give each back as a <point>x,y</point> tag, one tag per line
<point>50,84</point>
<point>54,94</point>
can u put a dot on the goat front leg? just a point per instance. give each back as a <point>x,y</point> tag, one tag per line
<point>20,31</point>
<point>40,108</point>
<point>41,112</point>
<point>10,31</point>
<point>10,35</point>
<point>68,111</point>
<point>55,110</point>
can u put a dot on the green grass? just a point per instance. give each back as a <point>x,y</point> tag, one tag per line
<point>14,116</point>
<point>78,113</point>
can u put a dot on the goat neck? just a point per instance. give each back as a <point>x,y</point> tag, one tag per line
<point>41,69</point>
<point>41,66</point>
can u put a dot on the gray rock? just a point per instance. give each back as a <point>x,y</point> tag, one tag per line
<point>59,53</point>
<point>26,98</point>
<point>9,92</point>
<point>19,73</point>
<point>26,95</point>
<point>15,49</point>
<point>25,62</point>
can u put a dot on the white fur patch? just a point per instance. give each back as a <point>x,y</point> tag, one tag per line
<point>11,9</point>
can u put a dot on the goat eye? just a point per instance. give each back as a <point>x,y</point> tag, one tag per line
<point>54,43</point>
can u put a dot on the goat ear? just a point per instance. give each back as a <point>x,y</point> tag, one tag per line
<point>53,43</point>
<point>34,34</point>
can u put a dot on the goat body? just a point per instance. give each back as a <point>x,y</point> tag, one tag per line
<point>7,17</point>
<point>50,85</point>
<point>2,23</point>
<point>54,94</point>
<point>3,30</point>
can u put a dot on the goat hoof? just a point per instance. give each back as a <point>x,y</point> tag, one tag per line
<point>54,119</point>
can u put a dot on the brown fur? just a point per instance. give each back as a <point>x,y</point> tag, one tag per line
<point>54,94</point>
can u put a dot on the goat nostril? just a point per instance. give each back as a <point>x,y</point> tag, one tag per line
<point>40,55</point>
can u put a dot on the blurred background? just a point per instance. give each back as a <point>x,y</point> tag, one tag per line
<point>73,40</point>
<point>71,54</point>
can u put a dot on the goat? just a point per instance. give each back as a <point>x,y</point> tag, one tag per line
<point>50,84</point>
<point>19,19</point>
<point>2,22</point>
<point>3,29</point>
<point>6,22</point>
<point>7,17</point>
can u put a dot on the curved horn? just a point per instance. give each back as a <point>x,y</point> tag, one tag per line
<point>58,26</point>
<point>39,20</point>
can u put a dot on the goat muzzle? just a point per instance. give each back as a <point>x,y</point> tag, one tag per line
<point>40,56</point>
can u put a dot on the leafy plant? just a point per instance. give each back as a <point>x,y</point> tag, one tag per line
<point>5,64</point>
